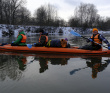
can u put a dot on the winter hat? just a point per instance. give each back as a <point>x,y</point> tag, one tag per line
<point>66,39</point>
<point>21,29</point>
<point>95,29</point>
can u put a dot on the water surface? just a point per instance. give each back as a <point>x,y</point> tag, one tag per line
<point>43,73</point>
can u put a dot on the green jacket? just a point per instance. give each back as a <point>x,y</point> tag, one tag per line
<point>19,38</point>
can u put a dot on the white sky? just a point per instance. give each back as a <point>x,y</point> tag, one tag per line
<point>65,8</point>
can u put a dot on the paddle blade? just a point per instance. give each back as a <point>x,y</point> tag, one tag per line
<point>29,45</point>
<point>74,33</point>
<point>73,71</point>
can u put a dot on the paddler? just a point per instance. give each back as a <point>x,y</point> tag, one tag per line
<point>21,39</point>
<point>96,41</point>
<point>43,39</point>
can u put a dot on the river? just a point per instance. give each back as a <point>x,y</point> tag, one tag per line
<point>48,73</point>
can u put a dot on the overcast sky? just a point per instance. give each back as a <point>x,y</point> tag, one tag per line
<point>65,8</point>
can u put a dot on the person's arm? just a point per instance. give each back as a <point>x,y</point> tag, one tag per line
<point>88,40</point>
<point>18,39</point>
<point>101,37</point>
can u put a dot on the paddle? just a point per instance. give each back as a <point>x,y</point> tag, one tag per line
<point>73,71</point>
<point>29,45</point>
<point>77,34</point>
<point>31,61</point>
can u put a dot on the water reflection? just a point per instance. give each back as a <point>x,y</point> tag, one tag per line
<point>43,64</point>
<point>9,68</point>
<point>95,63</point>
<point>54,61</point>
<point>13,66</point>
<point>22,62</point>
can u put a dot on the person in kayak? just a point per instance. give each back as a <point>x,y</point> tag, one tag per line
<point>43,39</point>
<point>58,43</point>
<point>96,41</point>
<point>21,39</point>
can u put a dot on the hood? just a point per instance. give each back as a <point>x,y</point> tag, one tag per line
<point>22,32</point>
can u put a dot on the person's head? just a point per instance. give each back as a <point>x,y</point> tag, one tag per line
<point>95,31</point>
<point>21,29</point>
<point>41,31</point>
<point>66,39</point>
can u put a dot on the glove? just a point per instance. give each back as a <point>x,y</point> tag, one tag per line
<point>12,41</point>
<point>34,44</point>
<point>90,40</point>
<point>109,48</point>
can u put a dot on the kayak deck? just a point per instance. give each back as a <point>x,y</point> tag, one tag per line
<point>53,50</point>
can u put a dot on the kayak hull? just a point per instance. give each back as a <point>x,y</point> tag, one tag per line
<point>53,50</point>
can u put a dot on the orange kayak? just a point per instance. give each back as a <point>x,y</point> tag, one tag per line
<point>53,50</point>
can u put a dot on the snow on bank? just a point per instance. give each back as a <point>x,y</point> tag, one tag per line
<point>32,30</point>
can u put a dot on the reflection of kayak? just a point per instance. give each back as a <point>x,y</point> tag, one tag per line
<point>37,55</point>
<point>53,50</point>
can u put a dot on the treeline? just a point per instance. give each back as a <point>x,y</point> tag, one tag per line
<point>86,16</point>
<point>14,12</point>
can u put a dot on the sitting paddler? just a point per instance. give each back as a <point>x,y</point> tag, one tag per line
<point>21,39</point>
<point>96,41</point>
<point>43,39</point>
<point>58,43</point>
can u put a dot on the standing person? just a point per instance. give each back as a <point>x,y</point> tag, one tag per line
<point>43,39</point>
<point>96,41</point>
<point>21,39</point>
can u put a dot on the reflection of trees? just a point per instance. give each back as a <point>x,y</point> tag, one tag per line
<point>9,67</point>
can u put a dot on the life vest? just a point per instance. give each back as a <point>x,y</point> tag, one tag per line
<point>42,38</point>
<point>96,39</point>
<point>24,61</point>
<point>23,40</point>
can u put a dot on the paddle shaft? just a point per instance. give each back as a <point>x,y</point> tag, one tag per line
<point>95,42</point>
<point>75,70</point>
<point>77,34</point>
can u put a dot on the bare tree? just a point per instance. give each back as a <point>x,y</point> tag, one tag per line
<point>87,14</point>
<point>46,15</point>
<point>40,16</point>
<point>1,11</point>
<point>10,9</point>
<point>51,14</point>
<point>22,16</point>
